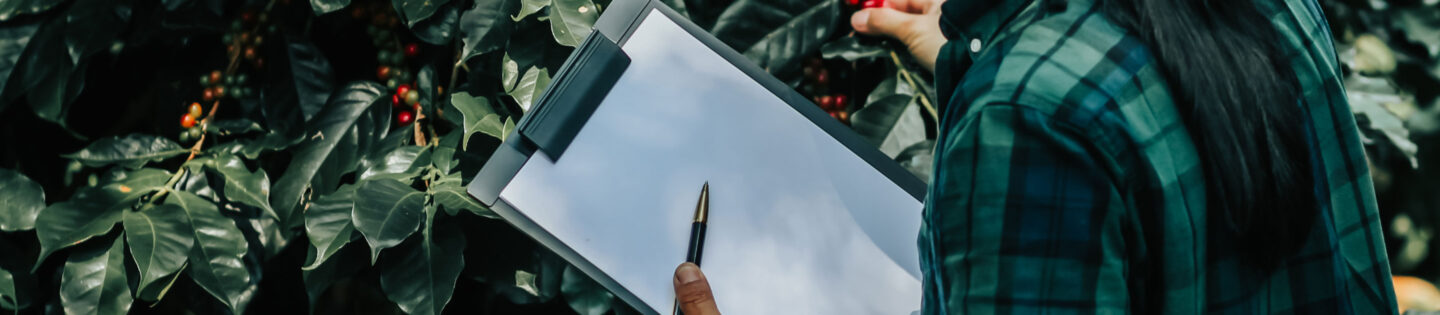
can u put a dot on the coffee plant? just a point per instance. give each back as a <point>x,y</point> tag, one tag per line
<point>253,156</point>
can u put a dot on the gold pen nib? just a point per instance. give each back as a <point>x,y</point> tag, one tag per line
<point>702,209</point>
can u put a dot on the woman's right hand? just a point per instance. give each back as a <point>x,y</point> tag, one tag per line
<point>914,22</point>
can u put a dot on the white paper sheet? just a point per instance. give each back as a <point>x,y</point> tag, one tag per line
<point>798,223</point>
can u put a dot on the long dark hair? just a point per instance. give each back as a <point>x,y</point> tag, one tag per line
<point>1239,101</point>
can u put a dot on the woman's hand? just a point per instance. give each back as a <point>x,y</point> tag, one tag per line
<point>914,22</point>
<point>692,291</point>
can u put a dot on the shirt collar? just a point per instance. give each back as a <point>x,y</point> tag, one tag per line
<point>975,22</point>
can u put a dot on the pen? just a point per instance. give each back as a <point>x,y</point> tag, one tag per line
<point>697,228</point>
<point>697,233</point>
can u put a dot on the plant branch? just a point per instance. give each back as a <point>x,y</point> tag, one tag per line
<point>924,97</point>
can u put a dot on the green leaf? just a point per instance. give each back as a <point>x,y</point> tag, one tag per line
<point>328,224</point>
<point>242,185</point>
<point>94,280</point>
<point>17,285</point>
<point>341,116</point>
<point>92,211</point>
<point>420,274</point>
<point>321,7</point>
<point>386,212</point>
<point>528,7</point>
<point>584,295</point>
<point>479,117</point>
<point>487,26</point>
<point>12,8</point>
<point>780,50</point>
<point>230,127</point>
<point>452,197</point>
<point>440,28</point>
<point>344,264</point>
<point>919,159</point>
<point>1372,98</point>
<point>13,39</point>
<point>414,11</point>
<point>20,201</point>
<point>850,48</point>
<point>217,261</point>
<point>572,20</point>
<point>530,86</point>
<point>159,241</point>
<point>406,161</point>
<point>131,151</point>
<point>509,73</point>
<point>893,123</point>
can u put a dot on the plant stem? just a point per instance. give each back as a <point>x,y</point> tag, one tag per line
<point>924,97</point>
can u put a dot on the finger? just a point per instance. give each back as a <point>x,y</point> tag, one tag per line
<point>910,6</point>
<point>692,291</point>
<point>883,21</point>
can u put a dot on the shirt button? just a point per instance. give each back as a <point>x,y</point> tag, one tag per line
<point>975,45</point>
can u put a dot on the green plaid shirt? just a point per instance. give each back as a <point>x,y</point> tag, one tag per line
<point>1066,182</point>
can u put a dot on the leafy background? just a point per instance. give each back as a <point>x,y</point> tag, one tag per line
<point>301,187</point>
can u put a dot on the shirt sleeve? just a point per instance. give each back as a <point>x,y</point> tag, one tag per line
<point>1024,217</point>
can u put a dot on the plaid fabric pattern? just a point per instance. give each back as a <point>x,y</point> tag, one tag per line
<point>1066,181</point>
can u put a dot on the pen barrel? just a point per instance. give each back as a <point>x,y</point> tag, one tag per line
<point>697,242</point>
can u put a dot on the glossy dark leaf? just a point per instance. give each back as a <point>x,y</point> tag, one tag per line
<point>528,7</point>
<point>44,72</point>
<point>322,7</point>
<point>1372,98</point>
<point>487,26</point>
<point>312,75</point>
<point>252,148</point>
<point>509,73</point>
<point>919,159</point>
<point>159,239</point>
<point>584,295</point>
<point>893,123</point>
<point>20,201</point>
<point>405,161</point>
<point>328,224</point>
<point>386,212</point>
<point>217,260</point>
<point>530,86</point>
<point>130,151</point>
<point>349,261</point>
<point>92,26</point>
<point>17,283</point>
<point>12,8</point>
<point>480,117</point>
<point>13,39</point>
<point>745,22</point>
<point>414,11</point>
<point>232,127</point>
<point>94,280</point>
<point>453,198</point>
<point>341,114</point>
<point>780,50</point>
<point>92,211</point>
<point>572,20</point>
<point>241,185</point>
<point>419,275</point>
<point>851,48</point>
<point>440,28</point>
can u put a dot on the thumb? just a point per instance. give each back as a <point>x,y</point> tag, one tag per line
<point>883,21</point>
<point>692,291</point>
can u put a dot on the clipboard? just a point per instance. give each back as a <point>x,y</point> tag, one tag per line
<point>806,215</point>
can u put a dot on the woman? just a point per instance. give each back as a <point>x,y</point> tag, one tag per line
<point>1146,156</point>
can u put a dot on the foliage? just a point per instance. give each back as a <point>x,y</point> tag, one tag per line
<point>299,175</point>
<point>1390,52</point>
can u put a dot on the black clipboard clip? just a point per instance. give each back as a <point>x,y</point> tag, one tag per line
<point>582,83</point>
